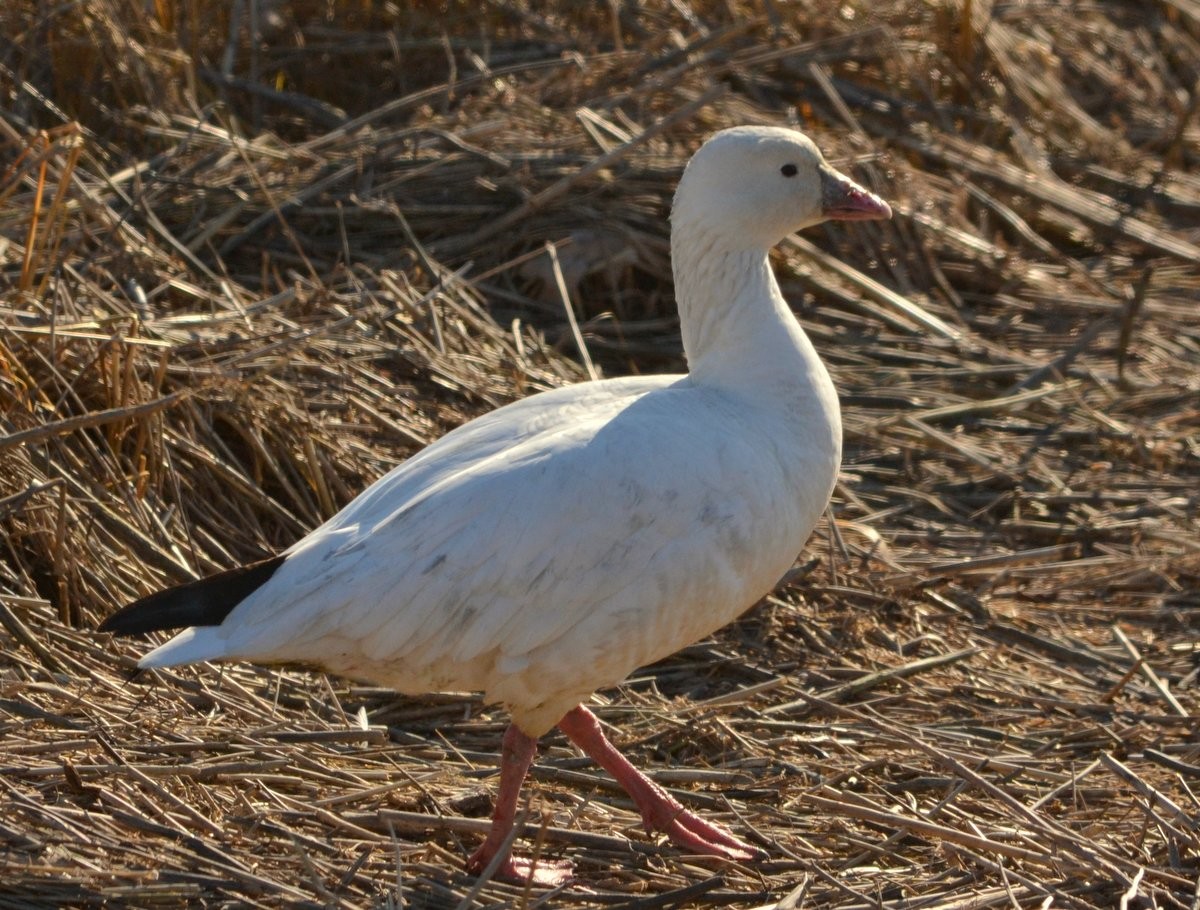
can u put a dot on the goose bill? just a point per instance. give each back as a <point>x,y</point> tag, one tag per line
<point>844,200</point>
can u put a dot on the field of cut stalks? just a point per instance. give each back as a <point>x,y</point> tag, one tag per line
<point>253,255</point>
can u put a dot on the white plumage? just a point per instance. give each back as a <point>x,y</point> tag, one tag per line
<point>550,547</point>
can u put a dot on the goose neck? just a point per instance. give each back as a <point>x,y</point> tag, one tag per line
<point>733,318</point>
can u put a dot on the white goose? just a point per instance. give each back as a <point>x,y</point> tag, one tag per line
<point>549,548</point>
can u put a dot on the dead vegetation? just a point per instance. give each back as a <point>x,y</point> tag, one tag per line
<point>253,255</point>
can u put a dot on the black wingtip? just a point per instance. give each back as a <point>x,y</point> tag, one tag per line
<point>195,603</point>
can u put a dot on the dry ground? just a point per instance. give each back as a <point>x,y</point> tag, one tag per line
<point>254,254</point>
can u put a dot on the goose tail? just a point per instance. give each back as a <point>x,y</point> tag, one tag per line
<point>188,647</point>
<point>197,607</point>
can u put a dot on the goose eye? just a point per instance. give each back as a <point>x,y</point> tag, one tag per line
<point>788,170</point>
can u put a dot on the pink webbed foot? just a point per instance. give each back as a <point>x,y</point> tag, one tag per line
<point>543,874</point>
<point>520,870</point>
<point>660,812</point>
<point>516,755</point>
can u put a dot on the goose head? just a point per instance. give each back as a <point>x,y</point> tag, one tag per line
<point>749,187</point>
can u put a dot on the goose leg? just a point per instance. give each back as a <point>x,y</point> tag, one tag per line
<point>516,755</point>
<point>660,811</point>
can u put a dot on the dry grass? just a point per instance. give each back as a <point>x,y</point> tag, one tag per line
<point>244,275</point>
